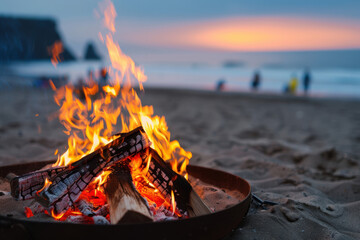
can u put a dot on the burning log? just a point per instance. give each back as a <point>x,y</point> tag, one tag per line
<point>24,187</point>
<point>65,188</point>
<point>166,180</point>
<point>163,214</point>
<point>85,208</point>
<point>103,211</point>
<point>126,205</point>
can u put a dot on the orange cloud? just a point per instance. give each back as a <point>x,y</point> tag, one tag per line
<point>252,34</point>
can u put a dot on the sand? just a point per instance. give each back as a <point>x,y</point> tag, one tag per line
<point>302,153</point>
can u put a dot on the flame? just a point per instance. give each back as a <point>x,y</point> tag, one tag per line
<point>91,124</point>
<point>52,85</point>
<point>46,185</point>
<point>55,50</point>
<point>101,179</point>
<point>173,203</point>
<point>57,216</point>
<point>93,113</point>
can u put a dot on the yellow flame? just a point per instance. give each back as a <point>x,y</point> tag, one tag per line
<point>57,216</point>
<point>46,185</point>
<point>101,179</point>
<point>173,202</point>
<point>92,120</point>
<point>92,114</point>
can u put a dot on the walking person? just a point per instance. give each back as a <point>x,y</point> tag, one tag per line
<point>220,85</point>
<point>306,81</point>
<point>256,81</point>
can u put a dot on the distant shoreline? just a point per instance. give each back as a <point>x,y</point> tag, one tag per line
<point>332,83</point>
<point>256,95</point>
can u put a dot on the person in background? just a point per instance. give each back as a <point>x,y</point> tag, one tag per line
<point>220,85</point>
<point>293,84</point>
<point>256,81</point>
<point>306,81</point>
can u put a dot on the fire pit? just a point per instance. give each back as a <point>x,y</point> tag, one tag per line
<point>134,184</point>
<point>212,226</point>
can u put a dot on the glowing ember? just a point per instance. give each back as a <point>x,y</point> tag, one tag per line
<point>28,212</point>
<point>91,116</point>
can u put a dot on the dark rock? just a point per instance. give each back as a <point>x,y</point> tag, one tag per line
<point>91,53</point>
<point>23,39</point>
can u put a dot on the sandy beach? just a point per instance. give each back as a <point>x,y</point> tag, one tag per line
<point>303,153</point>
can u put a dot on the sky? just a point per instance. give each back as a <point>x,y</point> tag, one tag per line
<point>227,25</point>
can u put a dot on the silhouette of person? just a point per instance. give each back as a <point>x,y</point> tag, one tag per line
<point>220,85</point>
<point>256,81</point>
<point>306,81</point>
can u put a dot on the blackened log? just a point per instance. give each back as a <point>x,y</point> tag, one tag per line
<point>36,208</point>
<point>80,219</point>
<point>85,207</point>
<point>161,175</point>
<point>66,187</point>
<point>126,205</point>
<point>102,211</point>
<point>25,186</point>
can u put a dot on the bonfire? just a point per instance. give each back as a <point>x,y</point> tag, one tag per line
<point>109,174</point>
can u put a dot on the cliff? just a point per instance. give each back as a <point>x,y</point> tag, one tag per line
<point>23,39</point>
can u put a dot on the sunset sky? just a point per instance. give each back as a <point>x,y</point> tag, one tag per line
<point>229,25</point>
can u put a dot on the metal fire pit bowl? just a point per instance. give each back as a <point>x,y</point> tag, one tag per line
<point>212,226</point>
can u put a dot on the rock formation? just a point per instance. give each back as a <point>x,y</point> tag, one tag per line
<point>91,52</point>
<point>23,39</point>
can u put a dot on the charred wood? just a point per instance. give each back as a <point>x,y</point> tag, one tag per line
<point>85,208</point>
<point>161,175</point>
<point>25,186</point>
<point>102,211</point>
<point>80,219</point>
<point>65,188</point>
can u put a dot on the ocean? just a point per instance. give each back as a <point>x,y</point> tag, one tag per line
<point>332,73</point>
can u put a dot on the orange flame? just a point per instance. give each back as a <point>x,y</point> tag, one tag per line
<point>93,113</point>
<point>58,216</point>
<point>91,124</point>
<point>46,185</point>
<point>55,50</point>
<point>101,179</point>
